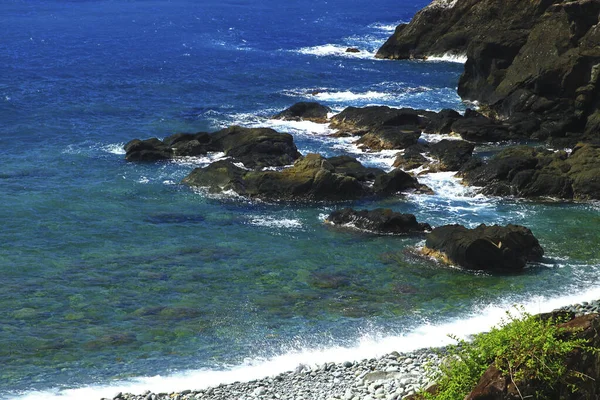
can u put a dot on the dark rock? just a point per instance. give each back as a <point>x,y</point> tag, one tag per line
<point>532,172</point>
<point>352,50</point>
<point>310,178</point>
<point>257,147</point>
<point>379,220</point>
<point>254,147</point>
<point>490,248</point>
<point>411,158</point>
<point>494,385</point>
<point>533,65</point>
<point>452,154</point>
<point>308,111</point>
<point>390,138</point>
<point>476,127</point>
<point>394,182</point>
<point>441,123</point>
<point>367,119</point>
<point>349,166</point>
<point>447,26</point>
<point>147,150</point>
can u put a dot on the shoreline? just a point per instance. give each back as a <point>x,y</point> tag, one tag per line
<point>393,376</point>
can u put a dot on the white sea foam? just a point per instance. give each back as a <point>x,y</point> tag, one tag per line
<point>335,50</point>
<point>388,28</point>
<point>435,138</point>
<point>273,222</point>
<point>449,57</point>
<point>349,96</point>
<point>115,148</point>
<point>199,161</point>
<point>370,345</point>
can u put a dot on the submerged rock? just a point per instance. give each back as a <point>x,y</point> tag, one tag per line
<point>310,178</point>
<point>305,110</point>
<point>489,248</point>
<point>380,220</point>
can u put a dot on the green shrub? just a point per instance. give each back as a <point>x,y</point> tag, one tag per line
<point>523,347</point>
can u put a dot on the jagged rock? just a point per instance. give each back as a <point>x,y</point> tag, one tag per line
<point>147,150</point>
<point>411,158</point>
<point>533,172</point>
<point>304,110</point>
<point>390,138</point>
<point>534,65</point>
<point>494,385</point>
<point>379,220</point>
<point>351,167</point>
<point>367,119</point>
<point>352,50</point>
<point>452,154</point>
<point>488,248</point>
<point>257,147</point>
<point>254,147</point>
<point>449,26</point>
<point>476,127</point>
<point>310,178</point>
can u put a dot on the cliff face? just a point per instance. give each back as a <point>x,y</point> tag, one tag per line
<point>534,63</point>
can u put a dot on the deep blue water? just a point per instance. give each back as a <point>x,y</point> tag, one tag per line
<point>112,270</point>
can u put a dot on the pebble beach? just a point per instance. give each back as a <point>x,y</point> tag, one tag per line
<point>391,377</point>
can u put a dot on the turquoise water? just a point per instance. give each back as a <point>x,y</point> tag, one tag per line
<point>113,270</point>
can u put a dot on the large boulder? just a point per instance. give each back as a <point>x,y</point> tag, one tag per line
<point>451,154</point>
<point>390,138</point>
<point>380,220</point>
<point>254,147</point>
<point>363,120</point>
<point>529,172</point>
<point>312,178</point>
<point>305,111</point>
<point>257,147</point>
<point>488,248</point>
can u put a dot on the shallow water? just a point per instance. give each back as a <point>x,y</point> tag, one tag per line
<point>113,271</point>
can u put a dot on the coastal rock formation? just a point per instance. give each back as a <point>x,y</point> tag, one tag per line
<point>490,248</point>
<point>445,155</point>
<point>254,147</point>
<point>380,220</point>
<point>534,65</point>
<point>494,385</point>
<point>534,172</point>
<point>305,111</point>
<point>310,178</point>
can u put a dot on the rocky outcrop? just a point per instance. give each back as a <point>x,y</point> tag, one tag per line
<point>494,385</point>
<point>535,172</point>
<point>535,65</point>
<point>449,26</point>
<point>488,248</point>
<point>310,178</point>
<point>254,147</point>
<point>445,155</point>
<point>305,111</point>
<point>380,220</point>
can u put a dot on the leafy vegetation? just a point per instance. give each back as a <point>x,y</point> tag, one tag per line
<point>523,347</point>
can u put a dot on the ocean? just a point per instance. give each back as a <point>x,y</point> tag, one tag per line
<point>115,277</point>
